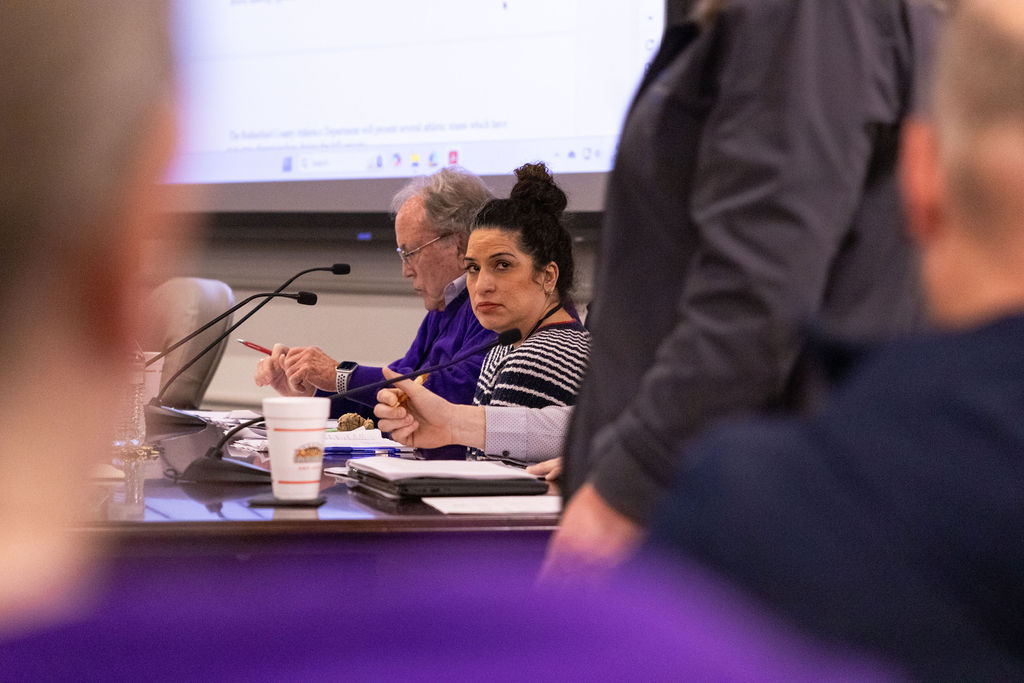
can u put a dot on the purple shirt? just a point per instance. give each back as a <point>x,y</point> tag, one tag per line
<point>452,608</point>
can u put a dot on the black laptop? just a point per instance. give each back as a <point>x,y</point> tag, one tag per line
<point>419,478</point>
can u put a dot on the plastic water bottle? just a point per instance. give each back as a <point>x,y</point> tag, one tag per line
<point>130,431</point>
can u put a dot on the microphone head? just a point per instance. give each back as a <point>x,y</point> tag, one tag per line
<point>306,298</point>
<point>341,269</point>
<point>509,337</point>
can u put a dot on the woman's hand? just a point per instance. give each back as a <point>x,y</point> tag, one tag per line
<point>413,414</point>
<point>418,417</point>
<point>549,469</point>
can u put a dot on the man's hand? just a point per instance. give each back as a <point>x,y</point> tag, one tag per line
<point>549,469</point>
<point>270,371</point>
<point>591,540</point>
<point>309,368</point>
<point>418,417</point>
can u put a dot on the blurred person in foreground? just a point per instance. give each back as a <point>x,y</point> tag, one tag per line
<point>751,193</point>
<point>754,192</point>
<point>86,127</point>
<point>894,519</point>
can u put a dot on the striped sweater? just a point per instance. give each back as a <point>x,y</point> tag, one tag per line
<point>546,369</point>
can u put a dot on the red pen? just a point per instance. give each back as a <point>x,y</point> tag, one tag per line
<point>254,347</point>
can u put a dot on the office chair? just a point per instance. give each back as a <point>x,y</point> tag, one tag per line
<point>176,308</point>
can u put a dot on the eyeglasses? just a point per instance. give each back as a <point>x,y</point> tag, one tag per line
<point>407,255</point>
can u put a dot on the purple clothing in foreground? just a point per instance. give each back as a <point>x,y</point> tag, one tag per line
<point>442,336</point>
<point>465,617</point>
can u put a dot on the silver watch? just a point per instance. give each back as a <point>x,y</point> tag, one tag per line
<point>344,370</point>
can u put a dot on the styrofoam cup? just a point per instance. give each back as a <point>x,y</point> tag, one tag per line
<point>296,427</point>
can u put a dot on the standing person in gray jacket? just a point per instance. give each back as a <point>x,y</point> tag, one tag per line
<point>754,190</point>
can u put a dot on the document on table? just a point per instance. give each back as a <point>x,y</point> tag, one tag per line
<point>356,443</point>
<point>496,505</point>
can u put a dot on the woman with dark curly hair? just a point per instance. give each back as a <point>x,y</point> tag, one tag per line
<point>519,265</point>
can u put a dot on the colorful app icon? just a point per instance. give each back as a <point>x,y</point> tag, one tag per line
<point>453,157</point>
<point>433,159</point>
<point>414,160</point>
<point>396,159</point>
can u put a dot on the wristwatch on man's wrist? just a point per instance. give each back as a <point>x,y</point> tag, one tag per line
<point>344,370</point>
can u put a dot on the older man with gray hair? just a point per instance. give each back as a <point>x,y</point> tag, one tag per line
<point>432,219</point>
<point>894,520</point>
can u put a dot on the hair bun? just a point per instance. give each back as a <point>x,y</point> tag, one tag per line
<point>535,187</point>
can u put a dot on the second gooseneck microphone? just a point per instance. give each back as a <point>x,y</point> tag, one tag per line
<point>305,298</point>
<point>337,269</point>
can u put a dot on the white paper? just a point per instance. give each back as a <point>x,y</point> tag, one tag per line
<point>496,505</point>
<point>222,415</point>
<point>356,434</point>
<point>362,438</point>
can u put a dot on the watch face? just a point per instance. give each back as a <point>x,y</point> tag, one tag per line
<point>347,366</point>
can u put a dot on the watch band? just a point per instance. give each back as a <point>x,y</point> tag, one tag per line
<point>343,372</point>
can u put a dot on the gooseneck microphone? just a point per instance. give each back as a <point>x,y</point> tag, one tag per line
<point>215,452</point>
<point>304,298</point>
<point>337,269</point>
